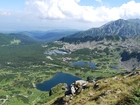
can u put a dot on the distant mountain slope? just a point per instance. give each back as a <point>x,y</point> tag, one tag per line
<point>49,36</point>
<point>119,27</point>
<point>6,39</point>
<point>53,36</point>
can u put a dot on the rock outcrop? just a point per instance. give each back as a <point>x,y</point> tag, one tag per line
<point>108,91</point>
<point>76,87</point>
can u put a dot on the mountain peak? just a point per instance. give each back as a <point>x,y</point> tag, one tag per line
<point>119,27</point>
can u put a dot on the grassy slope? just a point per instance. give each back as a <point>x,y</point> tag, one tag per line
<point>111,91</point>
<point>21,54</point>
<point>23,67</point>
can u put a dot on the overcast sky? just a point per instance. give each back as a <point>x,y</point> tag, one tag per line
<point>25,15</point>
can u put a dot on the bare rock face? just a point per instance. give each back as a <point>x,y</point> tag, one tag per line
<point>96,85</point>
<point>73,90</point>
<point>81,82</point>
<point>76,87</point>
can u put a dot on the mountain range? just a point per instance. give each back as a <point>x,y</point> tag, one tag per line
<point>32,37</point>
<point>48,36</point>
<point>6,39</point>
<point>27,59</point>
<point>124,28</point>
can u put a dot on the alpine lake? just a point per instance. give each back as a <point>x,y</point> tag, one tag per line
<point>59,77</point>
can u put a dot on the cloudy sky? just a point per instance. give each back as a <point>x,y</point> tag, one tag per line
<point>24,15</point>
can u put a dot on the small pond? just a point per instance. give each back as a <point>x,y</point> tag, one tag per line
<point>114,68</point>
<point>55,52</point>
<point>81,63</point>
<point>58,78</point>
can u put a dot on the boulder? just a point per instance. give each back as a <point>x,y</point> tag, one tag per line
<point>73,90</point>
<point>96,85</point>
<point>80,83</point>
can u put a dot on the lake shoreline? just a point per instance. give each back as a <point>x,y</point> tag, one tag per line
<point>59,77</point>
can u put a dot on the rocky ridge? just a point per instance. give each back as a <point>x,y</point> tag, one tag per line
<point>118,90</point>
<point>119,27</point>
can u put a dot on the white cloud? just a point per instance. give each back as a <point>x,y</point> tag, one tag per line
<point>100,1</point>
<point>77,1</point>
<point>5,13</point>
<point>70,9</point>
<point>130,9</point>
